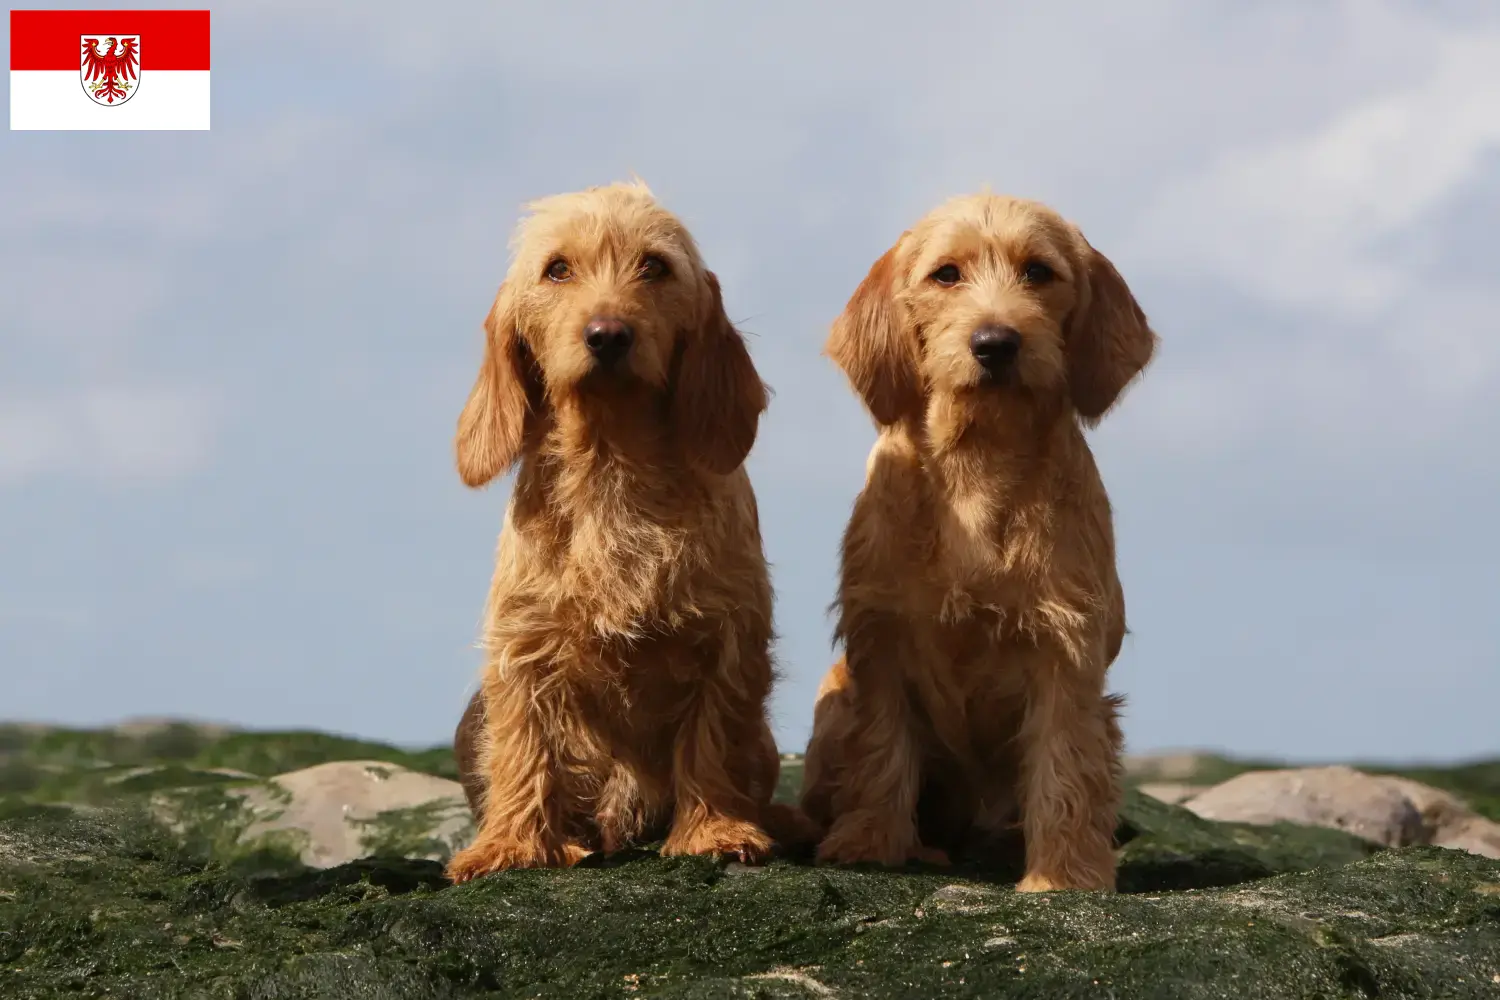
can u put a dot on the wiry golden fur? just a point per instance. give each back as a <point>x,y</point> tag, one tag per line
<point>979,606</point>
<point>628,624</point>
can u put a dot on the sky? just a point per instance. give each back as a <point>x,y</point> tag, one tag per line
<point>231,361</point>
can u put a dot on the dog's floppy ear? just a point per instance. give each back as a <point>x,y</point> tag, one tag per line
<point>1108,338</point>
<point>875,353</point>
<point>492,426</point>
<point>717,395</point>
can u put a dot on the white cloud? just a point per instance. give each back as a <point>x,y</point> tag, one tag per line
<point>1358,333</point>
<point>121,433</point>
<point>1302,221</point>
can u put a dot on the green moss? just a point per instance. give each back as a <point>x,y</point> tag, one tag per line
<point>789,781</point>
<point>1168,847</point>
<point>71,753</point>
<point>109,905</point>
<point>124,871</point>
<point>19,777</point>
<point>415,831</point>
<point>269,753</point>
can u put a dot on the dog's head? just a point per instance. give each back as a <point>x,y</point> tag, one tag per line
<point>607,300</point>
<point>988,294</point>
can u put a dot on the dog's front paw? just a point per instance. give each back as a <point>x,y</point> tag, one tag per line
<point>867,838</point>
<point>1098,881</point>
<point>495,854</point>
<point>721,837</point>
<point>1038,883</point>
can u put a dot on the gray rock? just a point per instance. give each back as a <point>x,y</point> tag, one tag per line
<point>1476,835</point>
<point>344,810</point>
<point>1440,810</point>
<point>1447,821</point>
<point>1387,810</point>
<point>1340,798</point>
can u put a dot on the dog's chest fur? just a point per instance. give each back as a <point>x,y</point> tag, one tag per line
<point>994,540</point>
<point>1017,564</point>
<point>618,561</point>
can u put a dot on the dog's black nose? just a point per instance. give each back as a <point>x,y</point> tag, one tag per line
<point>608,339</point>
<point>995,347</point>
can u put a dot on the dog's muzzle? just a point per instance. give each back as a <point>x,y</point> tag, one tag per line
<point>608,339</point>
<point>995,347</point>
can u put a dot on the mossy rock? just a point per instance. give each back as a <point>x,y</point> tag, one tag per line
<point>107,903</point>
<point>100,897</point>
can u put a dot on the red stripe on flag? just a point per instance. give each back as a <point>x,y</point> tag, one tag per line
<point>50,39</point>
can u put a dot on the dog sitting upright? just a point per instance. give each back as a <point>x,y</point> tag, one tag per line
<point>628,626</point>
<point>979,606</point>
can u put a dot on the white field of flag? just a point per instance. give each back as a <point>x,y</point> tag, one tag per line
<point>76,70</point>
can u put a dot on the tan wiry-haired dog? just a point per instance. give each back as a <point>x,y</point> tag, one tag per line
<point>979,606</point>
<point>629,619</point>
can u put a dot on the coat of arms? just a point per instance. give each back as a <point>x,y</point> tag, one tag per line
<point>111,72</point>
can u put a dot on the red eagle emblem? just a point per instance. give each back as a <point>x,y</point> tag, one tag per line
<point>111,73</point>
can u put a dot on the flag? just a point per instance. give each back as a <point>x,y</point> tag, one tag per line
<point>108,69</point>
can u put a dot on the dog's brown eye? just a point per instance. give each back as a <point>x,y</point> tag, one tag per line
<point>652,268</point>
<point>946,275</point>
<point>1037,273</point>
<point>558,270</point>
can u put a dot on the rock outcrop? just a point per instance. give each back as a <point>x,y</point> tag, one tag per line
<point>1389,811</point>
<point>1340,798</point>
<point>106,904</point>
<point>344,810</point>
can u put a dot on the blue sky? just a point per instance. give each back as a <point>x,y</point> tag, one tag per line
<point>230,362</point>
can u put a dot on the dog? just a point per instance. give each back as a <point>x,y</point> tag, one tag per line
<point>979,607</point>
<point>628,628</point>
